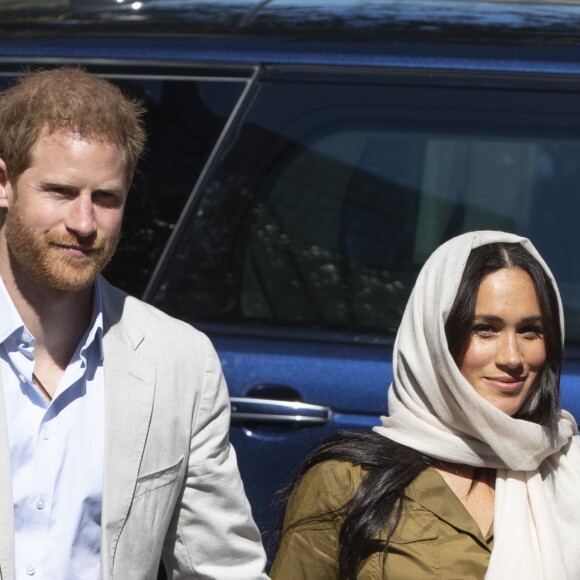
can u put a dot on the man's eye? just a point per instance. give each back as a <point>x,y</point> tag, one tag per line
<point>107,199</point>
<point>60,190</point>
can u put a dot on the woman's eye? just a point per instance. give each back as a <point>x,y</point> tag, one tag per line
<point>532,331</point>
<point>484,330</point>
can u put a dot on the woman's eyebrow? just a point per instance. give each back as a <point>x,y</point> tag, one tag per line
<point>488,317</point>
<point>532,319</point>
<point>495,318</point>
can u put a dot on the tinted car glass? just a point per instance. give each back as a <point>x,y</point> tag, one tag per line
<point>333,195</point>
<point>184,120</point>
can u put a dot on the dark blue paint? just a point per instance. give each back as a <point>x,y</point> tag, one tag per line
<point>284,51</point>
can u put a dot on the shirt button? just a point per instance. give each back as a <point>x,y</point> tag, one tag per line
<point>30,570</point>
<point>26,337</point>
<point>40,503</point>
<point>45,434</point>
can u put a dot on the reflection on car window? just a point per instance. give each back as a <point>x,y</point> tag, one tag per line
<point>184,119</point>
<point>331,199</point>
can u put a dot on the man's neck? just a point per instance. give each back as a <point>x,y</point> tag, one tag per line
<point>57,319</point>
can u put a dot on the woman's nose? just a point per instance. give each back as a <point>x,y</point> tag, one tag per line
<point>509,352</point>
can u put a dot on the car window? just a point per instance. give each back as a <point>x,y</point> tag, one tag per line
<point>332,196</point>
<point>184,119</point>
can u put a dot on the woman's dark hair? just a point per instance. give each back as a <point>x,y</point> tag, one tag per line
<point>376,505</point>
<point>389,467</point>
<point>483,261</point>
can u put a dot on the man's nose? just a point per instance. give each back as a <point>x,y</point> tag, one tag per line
<point>81,216</point>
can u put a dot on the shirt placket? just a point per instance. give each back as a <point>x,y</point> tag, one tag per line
<point>38,507</point>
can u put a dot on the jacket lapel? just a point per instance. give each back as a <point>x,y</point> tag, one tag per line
<point>6,501</point>
<point>129,390</point>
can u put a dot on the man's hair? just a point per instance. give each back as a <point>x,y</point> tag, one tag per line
<point>71,100</point>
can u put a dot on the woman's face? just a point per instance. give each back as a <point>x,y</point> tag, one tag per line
<point>506,350</point>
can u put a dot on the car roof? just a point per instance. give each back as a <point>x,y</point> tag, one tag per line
<point>381,19</point>
<point>524,37</point>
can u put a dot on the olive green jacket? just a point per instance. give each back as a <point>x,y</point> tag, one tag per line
<point>437,538</point>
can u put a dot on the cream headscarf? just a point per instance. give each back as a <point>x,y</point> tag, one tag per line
<point>434,410</point>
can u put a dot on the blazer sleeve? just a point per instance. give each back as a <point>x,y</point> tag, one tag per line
<point>213,534</point>
<point>309,546</point>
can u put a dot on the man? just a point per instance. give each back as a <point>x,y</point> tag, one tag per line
<point>114,418</point>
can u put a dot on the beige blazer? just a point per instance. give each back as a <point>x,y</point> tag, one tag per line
<point>171,485</point>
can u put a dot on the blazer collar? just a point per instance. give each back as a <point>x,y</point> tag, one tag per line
<point>129,394</point>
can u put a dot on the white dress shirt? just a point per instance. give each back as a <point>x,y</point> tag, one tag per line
<point>56,452</point>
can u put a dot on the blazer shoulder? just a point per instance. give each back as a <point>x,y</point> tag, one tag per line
<point>135,317</point>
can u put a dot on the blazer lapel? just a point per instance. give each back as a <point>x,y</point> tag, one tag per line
<point>129,394</point>
<point>6,501</point>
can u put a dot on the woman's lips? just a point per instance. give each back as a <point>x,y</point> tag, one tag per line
<point>506,385</point>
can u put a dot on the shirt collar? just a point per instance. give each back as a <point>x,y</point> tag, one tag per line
<point>10,321</point>
<point>96,329</point>
<point>430,490</point>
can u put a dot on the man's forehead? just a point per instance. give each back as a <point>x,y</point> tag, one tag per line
<point>62,157</point>
<point>65,137</point>
<point>72,142</point>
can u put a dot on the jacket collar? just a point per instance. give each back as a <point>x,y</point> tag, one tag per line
<point>129,394</point>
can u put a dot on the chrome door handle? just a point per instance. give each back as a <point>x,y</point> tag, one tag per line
<point>270,411</point>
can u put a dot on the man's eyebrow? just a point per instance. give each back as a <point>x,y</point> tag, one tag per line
<point>51,184</point>
<point>54,183</point>
<point>113,189</point>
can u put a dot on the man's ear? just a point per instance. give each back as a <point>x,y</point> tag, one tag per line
<point>4,185</point>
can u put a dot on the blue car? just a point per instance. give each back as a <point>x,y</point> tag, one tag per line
<point>304,159</point>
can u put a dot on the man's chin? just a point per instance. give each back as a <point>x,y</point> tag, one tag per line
<point>71,285</point>
<point>66,278</point>
<point>47,268</point>
<point>72,281</point>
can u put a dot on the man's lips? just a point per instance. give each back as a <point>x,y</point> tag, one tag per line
<point>506,384</point>
<point>78,251</point>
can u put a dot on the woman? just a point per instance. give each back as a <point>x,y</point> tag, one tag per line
<point>476,471</point>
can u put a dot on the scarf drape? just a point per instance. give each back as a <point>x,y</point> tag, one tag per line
<point>433,409</point>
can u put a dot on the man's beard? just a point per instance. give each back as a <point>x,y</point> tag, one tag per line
<point>42,261</point>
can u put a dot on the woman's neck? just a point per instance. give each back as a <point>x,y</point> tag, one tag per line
<point>475,488</point>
